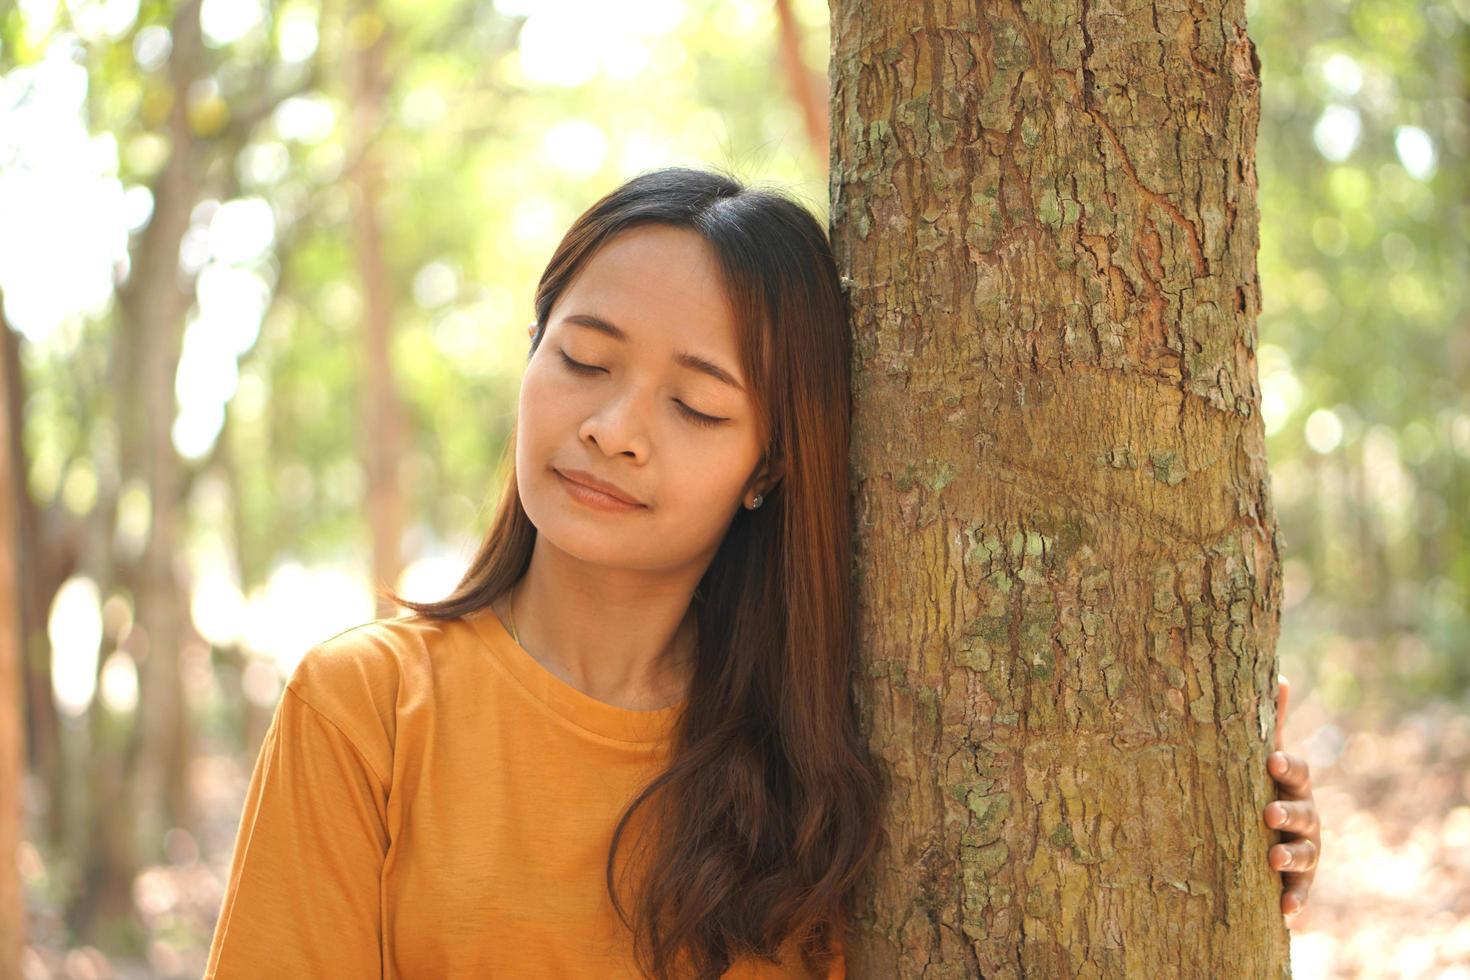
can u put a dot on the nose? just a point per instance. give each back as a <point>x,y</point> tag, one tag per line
<point>618,426</point>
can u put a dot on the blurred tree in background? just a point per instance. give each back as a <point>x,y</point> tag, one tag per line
<point>266,267</point>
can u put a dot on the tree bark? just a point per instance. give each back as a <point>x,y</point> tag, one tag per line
<point>1069,572</point>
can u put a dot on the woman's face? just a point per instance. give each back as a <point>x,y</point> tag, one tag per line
<point>630,421</point>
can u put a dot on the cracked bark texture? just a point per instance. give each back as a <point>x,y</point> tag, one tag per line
<point>1069,564</point>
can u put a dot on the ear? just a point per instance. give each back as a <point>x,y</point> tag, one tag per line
<point>766,475</point>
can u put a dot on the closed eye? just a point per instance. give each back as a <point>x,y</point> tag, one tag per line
<point>698,418</point>
<point>577,366</point>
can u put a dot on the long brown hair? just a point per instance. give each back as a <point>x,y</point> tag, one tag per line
<point>768,812</point>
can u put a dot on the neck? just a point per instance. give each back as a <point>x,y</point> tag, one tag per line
<point>623,637</point>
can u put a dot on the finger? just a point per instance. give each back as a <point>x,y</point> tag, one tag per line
<point>1291,774</point>
<point>1283,689</point>
<point>1293,901</point>
<point>1292,817</point>
<point>1294,857</point>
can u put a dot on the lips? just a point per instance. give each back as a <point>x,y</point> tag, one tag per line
<point>602,486</point>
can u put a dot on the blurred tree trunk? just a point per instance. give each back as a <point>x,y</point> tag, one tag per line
<point>382,414</point>
<point>137,766</point>
<point>138,774</point>
<point>156,316</point>
<point>12,732</point>
<point>807,86</point>
<point>1070,576</point>
<point>47,546</point>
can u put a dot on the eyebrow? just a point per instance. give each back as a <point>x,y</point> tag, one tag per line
<point>692,361</point>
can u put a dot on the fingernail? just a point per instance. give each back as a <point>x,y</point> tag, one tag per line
<point>1287,862</point>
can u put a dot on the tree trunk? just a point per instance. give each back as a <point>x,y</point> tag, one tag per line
<point>47,545</point>
<point>137,772</point>
<point>157,310</point>
<point>12,733</point>
<point>381,414</point>
<point>807,90</point>
<point>1069,574</point>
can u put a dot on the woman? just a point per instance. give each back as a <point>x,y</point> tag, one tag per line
<point>658,621</point>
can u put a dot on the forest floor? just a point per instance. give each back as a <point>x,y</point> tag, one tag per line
<point>1391,897</point>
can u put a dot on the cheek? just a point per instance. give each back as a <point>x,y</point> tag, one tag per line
<point>541,376</point>
<point>700,479</point>
<point>547,402</point>
<point>706,477</point>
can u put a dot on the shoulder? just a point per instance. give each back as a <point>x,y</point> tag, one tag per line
<point>356,679</point>
<point>373,657</point>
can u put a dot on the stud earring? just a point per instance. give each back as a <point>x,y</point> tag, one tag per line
<point>756,502</point>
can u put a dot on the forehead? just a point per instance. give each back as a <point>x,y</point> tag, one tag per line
<point>659,283</point>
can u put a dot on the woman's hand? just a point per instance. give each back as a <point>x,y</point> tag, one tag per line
<point>1294,813</point>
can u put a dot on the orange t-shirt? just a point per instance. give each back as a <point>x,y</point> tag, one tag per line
<point>430,801</point>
